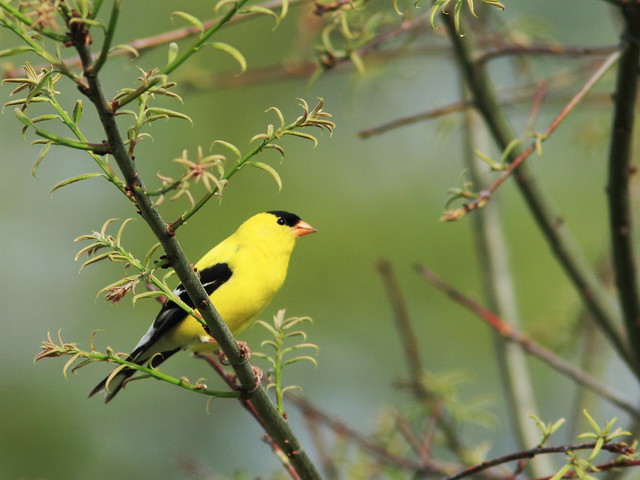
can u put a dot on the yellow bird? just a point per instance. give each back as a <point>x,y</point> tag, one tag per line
<point>241,275</point>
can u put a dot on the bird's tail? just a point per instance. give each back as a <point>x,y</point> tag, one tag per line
<point>115,384</point>
<point>112,384</point>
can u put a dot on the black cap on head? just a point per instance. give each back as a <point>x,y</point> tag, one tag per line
<point>285,218</point>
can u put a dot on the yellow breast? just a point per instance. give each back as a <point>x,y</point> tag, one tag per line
<point>258,268</point>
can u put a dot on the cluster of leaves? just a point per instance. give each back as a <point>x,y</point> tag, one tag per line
<point>349,29</point>
<point>283,333</point>
<point>458,5</point>
<point>105,246</point>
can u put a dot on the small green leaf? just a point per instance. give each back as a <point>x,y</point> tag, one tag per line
<point>79,178</point>
<point>278,112</point>
<point>26,121</point>
<point>302,135</point>
<point>269,169</point>
<point>267,326</point>
<point>132,50</point>
<point>95,259</point>
<point>357,61</point>
<point>121,229</point>
<point>44,118</point>
<point>456,16</point>
<point>299,359</point>
<point>10,52</point>
<point>147,294</point>
<point>285,9</point>
<point>222,3</point>
<point>229,145</point>
<point>190,18</point>
<point>76,115</point>
<point>149,255</point>
<point>233,51</point>
<point>471,8</point>
<point>160,112</point>
<point>173,52</point>
<point>262,11</point>
<point>69,363</point>
<point>40,157</point>
<point>592,422</point>
<point>276,147</point>
<point>434,11</point>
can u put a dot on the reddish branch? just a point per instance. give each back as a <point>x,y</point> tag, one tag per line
<point>511,334</point>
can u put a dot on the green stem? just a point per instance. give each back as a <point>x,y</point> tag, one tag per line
<point>543,210</point>
<point>108,38</point>
<point>103,164</point>
<point>277,373</point>
<point>157,374</point>
<point>97,5</point>
<point>620,173</point>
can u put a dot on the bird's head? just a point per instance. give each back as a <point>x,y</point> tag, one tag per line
<point>275,227</point>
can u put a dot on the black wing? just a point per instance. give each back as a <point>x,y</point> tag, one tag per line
<point>171,314</point>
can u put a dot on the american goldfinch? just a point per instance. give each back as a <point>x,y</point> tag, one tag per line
<point>241,275</point>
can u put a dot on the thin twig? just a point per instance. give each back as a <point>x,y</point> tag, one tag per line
<point>510,97</point>
<point>553,49</point>
<point>618,448</point>
<point>513,335</point>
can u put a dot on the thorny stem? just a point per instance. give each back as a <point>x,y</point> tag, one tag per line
<point>543,210</point>
<point>275,425</point>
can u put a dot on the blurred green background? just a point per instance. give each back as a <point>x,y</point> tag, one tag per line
<point>373,198</point>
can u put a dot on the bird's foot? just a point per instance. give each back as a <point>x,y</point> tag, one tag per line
<point>245,354</point>
<point>246,392</point>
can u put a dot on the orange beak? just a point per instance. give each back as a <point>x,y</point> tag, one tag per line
<point>303,228</point>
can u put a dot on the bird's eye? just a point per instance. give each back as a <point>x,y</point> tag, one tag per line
<point>281,221</point>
